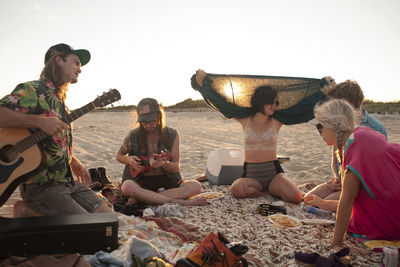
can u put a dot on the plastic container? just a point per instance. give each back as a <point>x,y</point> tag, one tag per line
<point>322,214</point>
<point>390,257</point>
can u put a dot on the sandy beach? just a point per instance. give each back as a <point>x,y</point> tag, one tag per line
<point>98,136</point>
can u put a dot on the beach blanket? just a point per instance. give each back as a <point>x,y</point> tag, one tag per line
<point>231,95</point>
<point>187,232</point>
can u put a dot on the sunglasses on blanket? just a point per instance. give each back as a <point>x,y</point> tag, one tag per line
<point>319,127</point>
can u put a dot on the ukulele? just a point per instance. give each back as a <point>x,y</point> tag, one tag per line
<point>145,161</point>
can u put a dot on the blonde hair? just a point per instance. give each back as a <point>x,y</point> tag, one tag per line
<point>338,115</point>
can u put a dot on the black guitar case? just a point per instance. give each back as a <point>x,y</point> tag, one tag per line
<point>65,234</point>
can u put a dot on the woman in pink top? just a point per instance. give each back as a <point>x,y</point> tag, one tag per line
<point>370,197</point>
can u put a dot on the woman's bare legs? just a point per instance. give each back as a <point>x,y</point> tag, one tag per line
<point>283,187</point>
<point>246,187</point>
<point>279,187</point>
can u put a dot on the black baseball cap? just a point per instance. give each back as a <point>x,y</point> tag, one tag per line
<point>83,54</point>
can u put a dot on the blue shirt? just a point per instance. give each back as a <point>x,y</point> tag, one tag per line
<point>374,124</point>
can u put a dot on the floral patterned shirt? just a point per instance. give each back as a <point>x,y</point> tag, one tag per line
<point>40,97</point>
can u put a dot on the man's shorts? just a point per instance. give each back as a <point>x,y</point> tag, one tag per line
<point>156,182</point>
<point>60,198</point>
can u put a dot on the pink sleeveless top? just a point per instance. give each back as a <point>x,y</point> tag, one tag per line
<point>376,162</point>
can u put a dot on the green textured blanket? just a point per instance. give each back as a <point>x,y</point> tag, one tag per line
<point>231,94</point>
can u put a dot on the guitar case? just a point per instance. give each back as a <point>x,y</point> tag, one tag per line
<point>64,234</point>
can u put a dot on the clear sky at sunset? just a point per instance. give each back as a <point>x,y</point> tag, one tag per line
<point>150,48</point>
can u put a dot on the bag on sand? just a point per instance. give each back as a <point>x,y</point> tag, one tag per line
<point>213,251</point>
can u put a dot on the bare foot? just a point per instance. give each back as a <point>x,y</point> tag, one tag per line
<point>195,201</point>
<point>20,209</point>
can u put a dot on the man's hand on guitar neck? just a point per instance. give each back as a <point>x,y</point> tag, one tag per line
<point>52,125</point>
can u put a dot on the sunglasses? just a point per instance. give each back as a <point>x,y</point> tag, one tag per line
<point>150,123</point>
<point>276,102</point>
<point>319,127</point>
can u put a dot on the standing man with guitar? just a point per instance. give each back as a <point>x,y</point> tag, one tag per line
<point>151,157</point>
<point>39,106</point>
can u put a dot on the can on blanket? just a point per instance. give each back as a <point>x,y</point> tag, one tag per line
<point>390,256</point>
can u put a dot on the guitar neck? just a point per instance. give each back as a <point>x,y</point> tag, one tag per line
<point>40,135</point>
<point>101,101</point>
<point>77,113</point>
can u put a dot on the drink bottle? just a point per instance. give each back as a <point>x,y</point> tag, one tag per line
<point>322,214</point>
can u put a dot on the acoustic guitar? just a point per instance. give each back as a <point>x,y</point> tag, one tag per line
<point>21,154</point>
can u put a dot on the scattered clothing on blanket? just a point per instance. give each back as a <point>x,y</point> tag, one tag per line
<point>148,212</point>
<point>376,245</point>
<point>144,249</point>
<point>105,259</point>
<point>139,249</point>
<point>170,209</point>
<point>135,209</point>
<point>168,244</point>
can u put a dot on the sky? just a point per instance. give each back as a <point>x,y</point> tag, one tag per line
<point>151,48</point>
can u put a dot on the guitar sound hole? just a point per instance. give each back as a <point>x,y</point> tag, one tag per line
<point>8,153</point>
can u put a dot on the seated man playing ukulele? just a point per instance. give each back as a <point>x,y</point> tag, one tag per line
<point>150,153</point>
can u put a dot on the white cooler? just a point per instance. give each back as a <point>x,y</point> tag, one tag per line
<point>224,165</point>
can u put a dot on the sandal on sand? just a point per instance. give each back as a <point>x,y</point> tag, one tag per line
<point>268,209</point>
<point>338,259</point>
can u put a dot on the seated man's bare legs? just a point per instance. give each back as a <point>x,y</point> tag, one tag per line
<point>21,209</point>
<point>186,193</point>
<point>283,187</point>
<point>246,187</point>
<point>175,195</point>
<point>186,189</point>
<point>103,208</point>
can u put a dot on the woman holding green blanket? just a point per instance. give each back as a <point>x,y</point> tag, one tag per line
<point>262,173</point>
